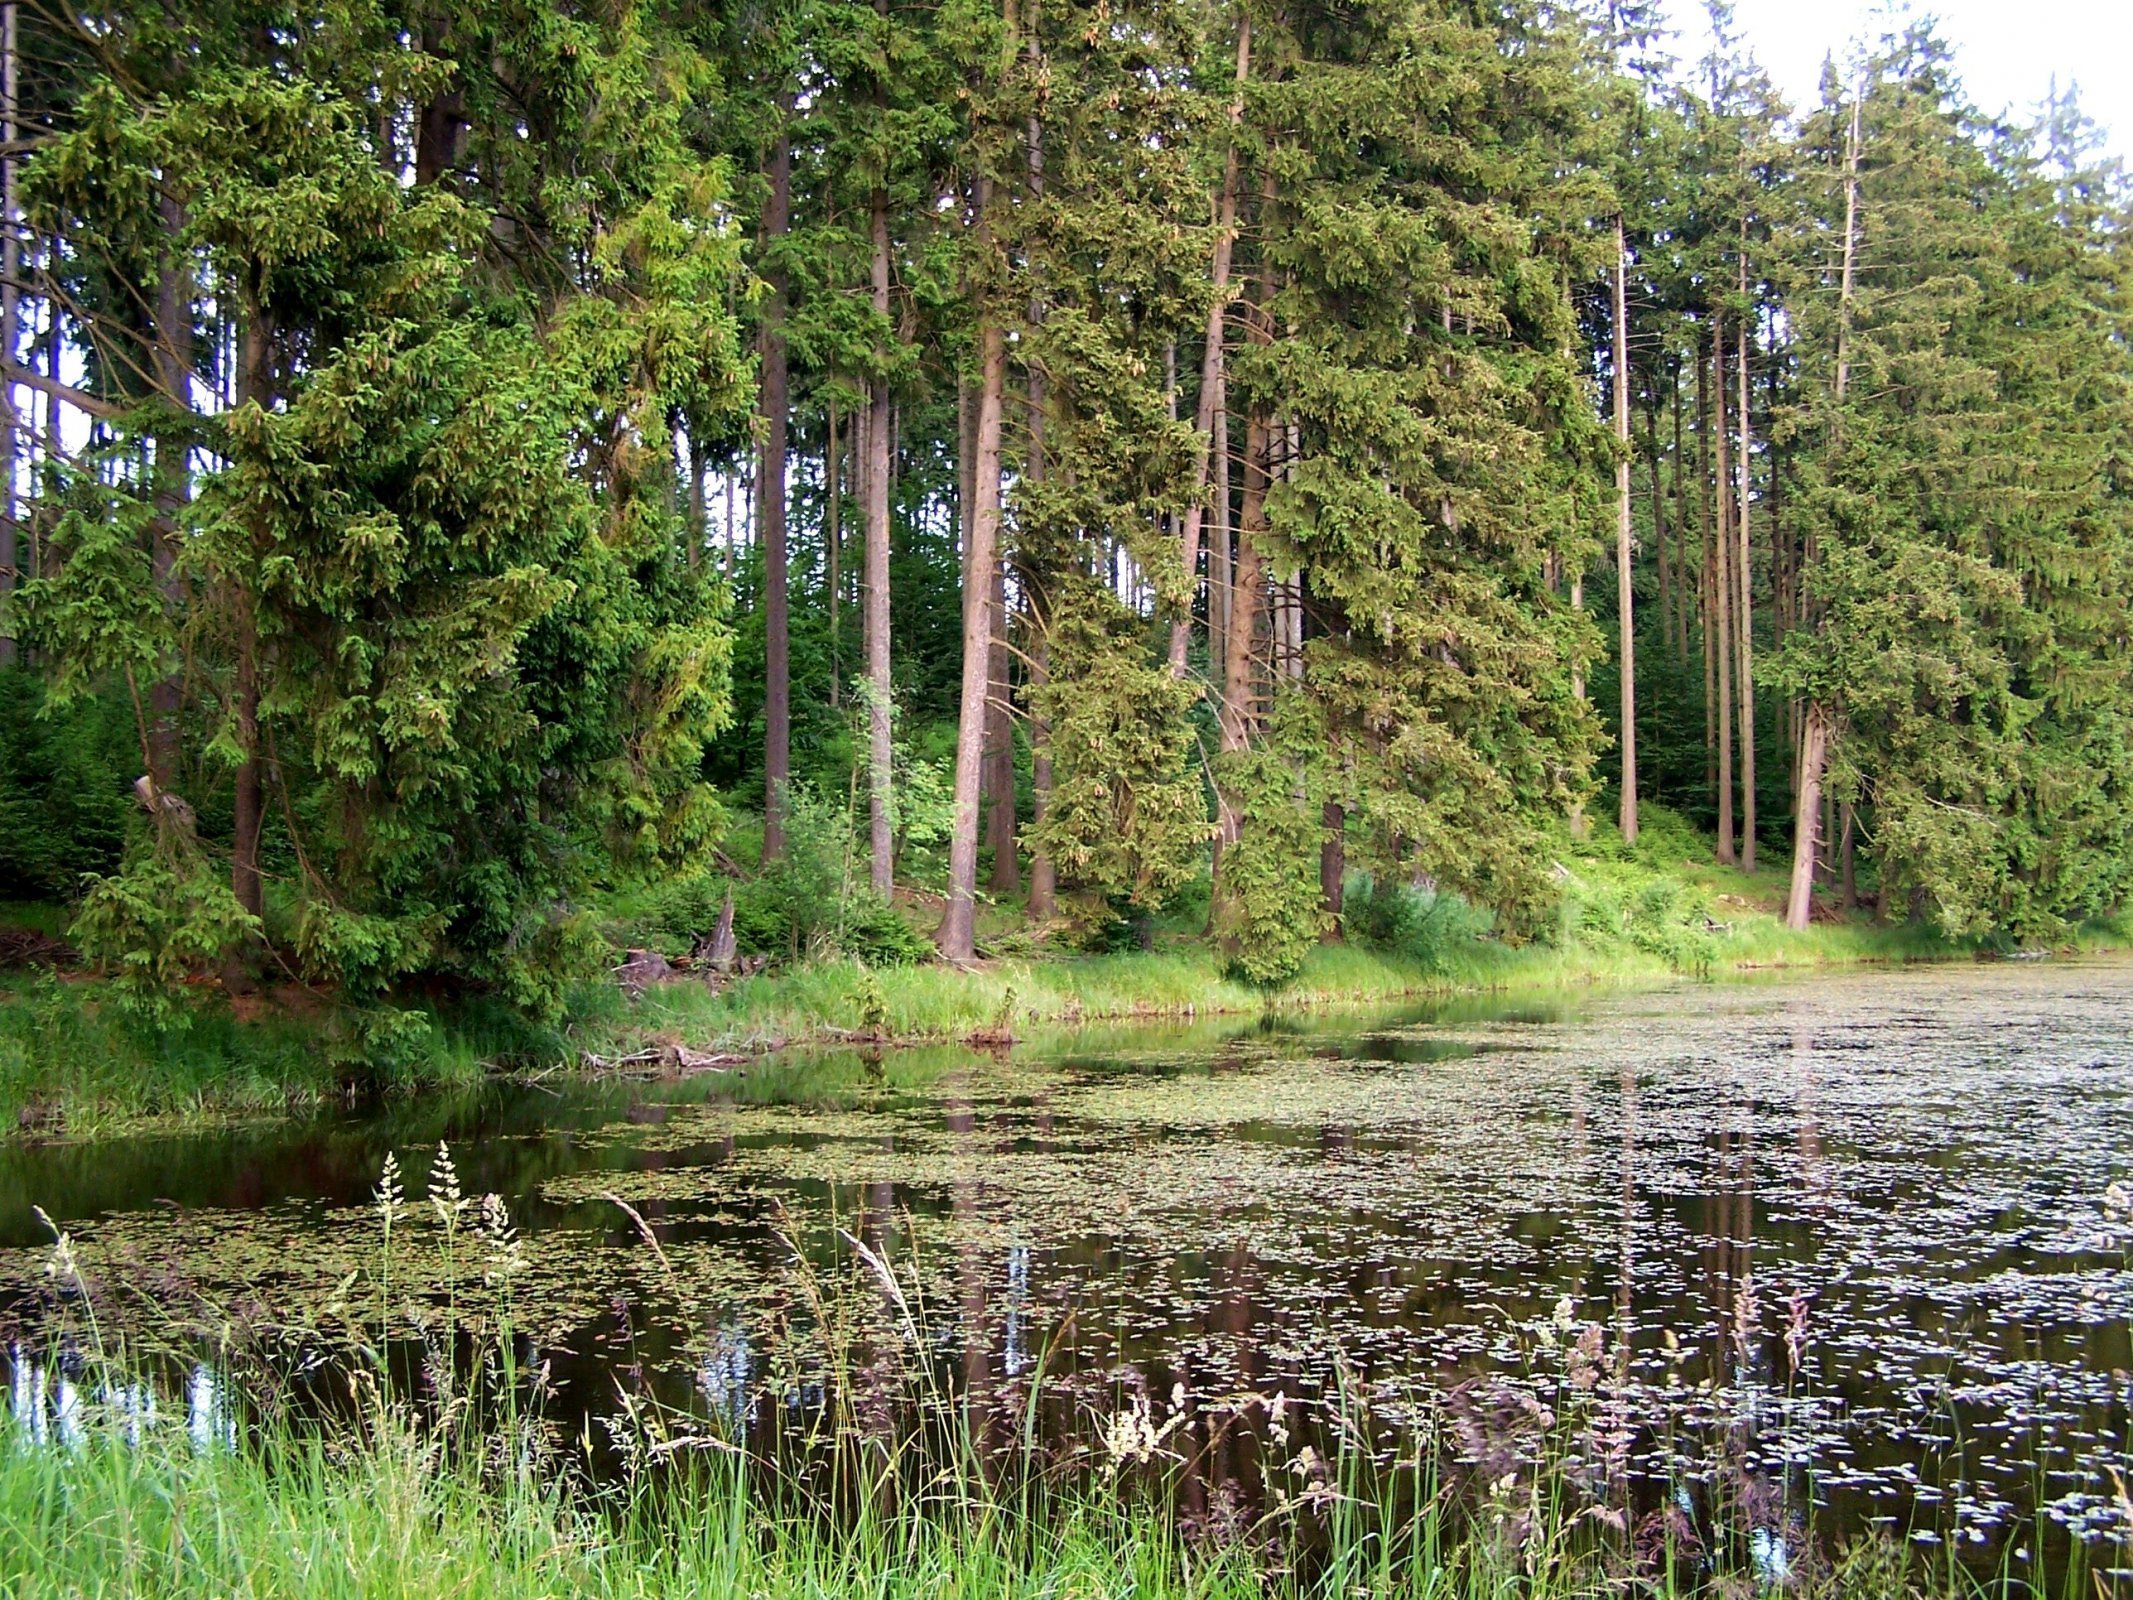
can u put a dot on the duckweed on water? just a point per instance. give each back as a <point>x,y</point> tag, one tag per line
<point>1843,1243</point>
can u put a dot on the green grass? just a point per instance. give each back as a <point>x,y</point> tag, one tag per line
<point>388,1505</point>
<point>72,1056</point>
<point>1660,911</point>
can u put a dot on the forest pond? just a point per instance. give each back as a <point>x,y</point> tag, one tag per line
<point>1842,1238</point>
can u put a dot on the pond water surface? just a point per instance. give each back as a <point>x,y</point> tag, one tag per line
<point>1843,1238</point>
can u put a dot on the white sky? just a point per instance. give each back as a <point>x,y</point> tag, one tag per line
<point>2008,50</point>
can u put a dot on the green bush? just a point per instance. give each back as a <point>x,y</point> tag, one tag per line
<point>1423,924</point>
<point>812,901</point>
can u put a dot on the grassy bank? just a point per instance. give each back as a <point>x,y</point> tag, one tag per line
<point>71,1059</point>
<point>160,1517</point>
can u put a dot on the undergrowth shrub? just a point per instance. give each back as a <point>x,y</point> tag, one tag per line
<point>813,901</point>
<point>1420,922</point>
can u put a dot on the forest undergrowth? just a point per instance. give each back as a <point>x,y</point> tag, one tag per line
<point>76,1058</point>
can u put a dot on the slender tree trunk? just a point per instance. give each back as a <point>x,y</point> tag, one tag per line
<point>833,551</point>
<point>248,807</point>
<point>1208,406</point>
<point>1220,600</point>
<point>874,484</point>
<point>1681,530</point>
<point>1248,595</point>
<point>1043,876</point>
<point>1624,533</point>
<point>1848,882</point>
<point>10,330</point>
<point>1662,545</point>
<point>770,500</point>
<point>1814,752</point>
<point>956,935</point>
<point>999,774</point>
<point>1043,879</point>
<point>1333,867</point>
<point>173,365</point>
<point>1722,574</point>
<point>1744,675</point>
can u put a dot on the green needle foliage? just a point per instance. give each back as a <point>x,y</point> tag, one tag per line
<point>409,404</point>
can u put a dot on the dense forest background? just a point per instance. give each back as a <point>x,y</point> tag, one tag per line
<point>1087,460</point>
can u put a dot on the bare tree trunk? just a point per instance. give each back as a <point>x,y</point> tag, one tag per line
<point>770,501</point>
<point>1814,752</point>
<point>874,486</point>
<point>1208,406</point>
<point>173,364</point>
<point>1249,593</point>
<point>1681,530</point>
<point>1043,878</point>
<point>833,551</point>
<point>1332,867</point>
<point>1220,600</point>
<point>1722,574</point>
<point>1848,882</point>
<point>999,775</point>
<point>1744,676</point>
<point>1661,542</point>
<point>248,808</point>
<point>10,331</point>
<point>956,935</point>
<point>1624,533</point>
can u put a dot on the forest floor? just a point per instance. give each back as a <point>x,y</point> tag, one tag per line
<point>74,1061</point>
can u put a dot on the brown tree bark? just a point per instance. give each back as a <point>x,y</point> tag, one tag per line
<point>10,325</point>
<point>956,935</point>
<point>770,498</point>
<point>874,488</point>
<point>1209,403</point>
<point>999,764</point>
<point>1744,613</point>
<point>833,551</point>
<point>1722,644</point>
<point>248,808</point>
<point>1332,867</point>
<point>1624,533</point>
<point>1814,752</point>
<point>173,364</point>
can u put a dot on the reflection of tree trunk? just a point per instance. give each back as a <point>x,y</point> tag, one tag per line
<point>979,1389</point>
<point>1626,1266</point>
<point>770,501</point>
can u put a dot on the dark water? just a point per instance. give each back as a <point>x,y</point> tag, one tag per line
<point>1836,1240</point>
